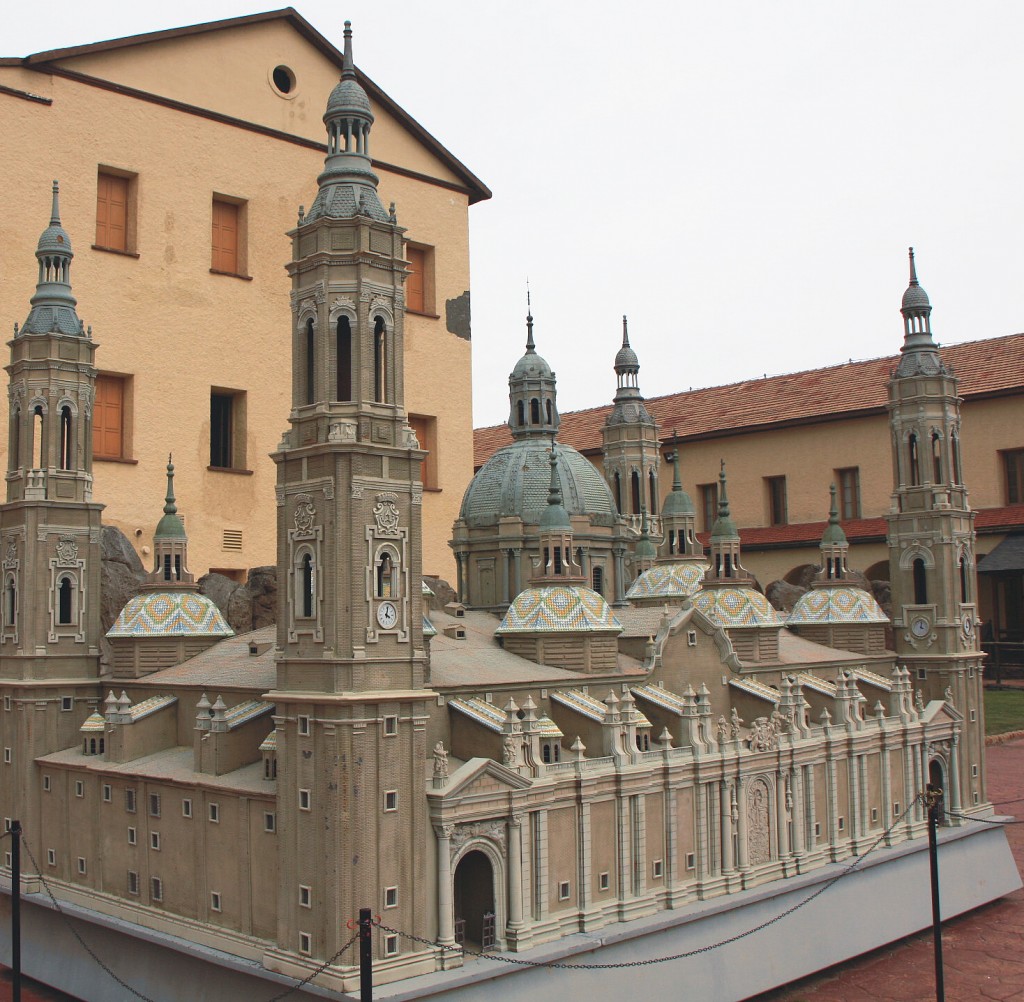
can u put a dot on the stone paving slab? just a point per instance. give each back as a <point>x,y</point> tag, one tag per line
<point>982,954</point>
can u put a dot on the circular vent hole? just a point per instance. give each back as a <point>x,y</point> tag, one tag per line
<point>284,79</point>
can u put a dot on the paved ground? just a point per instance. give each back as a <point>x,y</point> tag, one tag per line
<point>981,951</point>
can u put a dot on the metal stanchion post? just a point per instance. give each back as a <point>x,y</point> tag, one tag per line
<point>365,956</point>
<point>933,797</point>
<point>15,837</point>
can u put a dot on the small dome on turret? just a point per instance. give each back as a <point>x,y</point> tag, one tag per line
<point>678,502</point>
<point>170,525</point>
<point>554,516</point>
<point>915,297</point>
<point>348,95</point>
<point>532,366</point>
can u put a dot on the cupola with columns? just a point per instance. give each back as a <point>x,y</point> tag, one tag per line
<point>533,408</point>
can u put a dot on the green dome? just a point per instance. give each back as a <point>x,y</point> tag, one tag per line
<point>516,480</point>
<point>678,503</point>
<point>645,549</point>
<point>169,527</point>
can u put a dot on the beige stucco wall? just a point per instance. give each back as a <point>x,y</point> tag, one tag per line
<point>178,330</point>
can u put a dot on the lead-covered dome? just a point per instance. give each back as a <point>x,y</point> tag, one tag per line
<point>516,480</point>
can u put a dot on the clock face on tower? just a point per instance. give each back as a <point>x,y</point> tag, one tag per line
<point>387,615</point>
<point>920,627</point>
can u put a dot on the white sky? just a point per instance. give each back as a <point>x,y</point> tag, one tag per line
<point>741,178</point>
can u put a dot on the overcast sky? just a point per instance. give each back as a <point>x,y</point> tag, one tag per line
<point>741,178</point>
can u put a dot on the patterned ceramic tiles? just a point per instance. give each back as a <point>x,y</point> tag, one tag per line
<point>93,723</point>
<point>678,580</point>
<point>736,607</point>
<point>170,614</point>
<point>559,609</point>
<point>836,605</point>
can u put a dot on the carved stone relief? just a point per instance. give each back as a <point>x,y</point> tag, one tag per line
<point>758,823</point>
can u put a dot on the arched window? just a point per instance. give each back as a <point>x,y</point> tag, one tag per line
<point>310,362</point>
<point>936,458</point>
<point>920,583</point>
<point>38,439</point>
<point>67,442</point>
<point>306,584</point>
<point>65,605</point>
<point>558,560</point>
<point>10,600</point>
<point>636,492</point>
<point>618,492</point>
<point>387,576</point>
<point>547,411</point>
<point>653,491</point>
<point>380,361</point>
<point>92,746</point>
<point>671,540</point>
<point>15,447</point>
<point>597,579</point>
<point>520,413</point>
<point>343,358</point>
<point>963,579</point>
<point>915,466</point>
<point>534,411</point>
<point>954,451</point>
<point>167,567</point>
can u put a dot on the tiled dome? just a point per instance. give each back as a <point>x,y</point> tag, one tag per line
<point>559,609</point>
<point>170,614</point>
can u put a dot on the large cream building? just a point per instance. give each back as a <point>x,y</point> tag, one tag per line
<point>185,159</point>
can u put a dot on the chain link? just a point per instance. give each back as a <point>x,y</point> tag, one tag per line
<point>319,970</point>
<point>559,965</point>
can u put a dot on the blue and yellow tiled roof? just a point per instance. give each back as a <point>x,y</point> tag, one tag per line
<point>676,580</point>
<point>559,609</point>
<point>836,605</point>
<point>736,607</point>
<point>170,614</point>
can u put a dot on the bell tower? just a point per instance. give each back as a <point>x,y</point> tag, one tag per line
<point>350,673</point>
<point>931,540</point>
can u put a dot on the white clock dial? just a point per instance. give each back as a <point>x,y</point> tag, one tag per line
<point>387,615</point>
<point>968,626</point>
<point>920,627</point>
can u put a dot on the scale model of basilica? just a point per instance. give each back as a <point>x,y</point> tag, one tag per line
<point>500,780</point>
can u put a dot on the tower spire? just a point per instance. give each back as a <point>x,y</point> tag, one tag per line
<point>348,69</point>
<point>170,508</point>
<point>530,347</point>
<point>919,351</point>
<point>834,545</point>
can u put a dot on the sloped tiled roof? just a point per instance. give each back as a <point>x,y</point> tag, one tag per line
<point>816,394</point>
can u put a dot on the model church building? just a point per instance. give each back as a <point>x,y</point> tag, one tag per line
<point>603,730</point>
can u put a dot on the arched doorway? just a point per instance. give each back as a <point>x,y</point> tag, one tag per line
<point>937,780</point>
<point>474,901</point>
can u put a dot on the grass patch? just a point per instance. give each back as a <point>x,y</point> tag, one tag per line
<point>1004,710</point>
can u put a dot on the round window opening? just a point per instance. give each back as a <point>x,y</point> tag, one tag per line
<point>284,79</point>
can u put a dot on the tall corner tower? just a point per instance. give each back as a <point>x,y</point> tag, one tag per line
<point>350,676</point>
<point>49,532</point>
<point>931,542</point>
<point>630,444</point>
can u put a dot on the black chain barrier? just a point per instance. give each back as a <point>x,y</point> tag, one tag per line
<point>559,965</point>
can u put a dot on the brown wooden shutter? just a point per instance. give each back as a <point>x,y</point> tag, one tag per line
<point>414,299</point>
<point>225,237</point>
<point>108,418</point>
<point>112,212</point>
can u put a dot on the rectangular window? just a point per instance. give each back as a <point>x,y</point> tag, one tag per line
<point>708,505</point>
<point>7,756</point>
<point>156,889</point>
<point>214,814</point>
<point>228,237</point>
<point>215,901</point>
<point>776,487</point>
<point>848,484</point>
<point>129,801</point>
<point>132,836</point>
<point>305,896</point>
<point>154,805</point>
<point>1013,467</point>
<point>390,800</point>
<point>304,800</point>
<point>563,890</point>
<point>186,808</point>
<point>817,829</point>
<point>604,881</point>
<point>391,946</point>
<point>419,297</point>
<point>109,417</point>
<point>691,861</point>
<point>303,725</point>
<point>390,897</point>
<point>426,434</point>
<point>269,822</point>
<point>974,771</point>
<point>8,860</point>
<point>108,793</point>
<point>874,815</point>
<point>79,788</point>
<point>51,857</point>
<point>67,703</point>
<point>390,726</point>
<point>7,702</point>
<point>227,429</point>
<point>658,869</point>
<point>133,882</point>
<point>46,784</point>
<point>81,865</point>
<point>896,809</point>
<point>842,824</point>
<point>305,943</point>
<point>154,840</point>
<point>115,215</point>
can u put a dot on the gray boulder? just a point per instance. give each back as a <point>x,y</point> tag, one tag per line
<point>121,574</point>
<point>783,595</point>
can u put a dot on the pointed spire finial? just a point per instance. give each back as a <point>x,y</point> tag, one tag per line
<point>348,69</point>
<point>55,211</point>
<point>833,508</point>
<point>913,268</point>
<point>677,480</point>
<point>625,332</point>
<point>723,499</point>
<point>555,488</point>
<point>530,347</point>
<point>170,508</point>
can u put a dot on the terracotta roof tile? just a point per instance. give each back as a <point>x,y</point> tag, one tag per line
<point>791,398</point>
